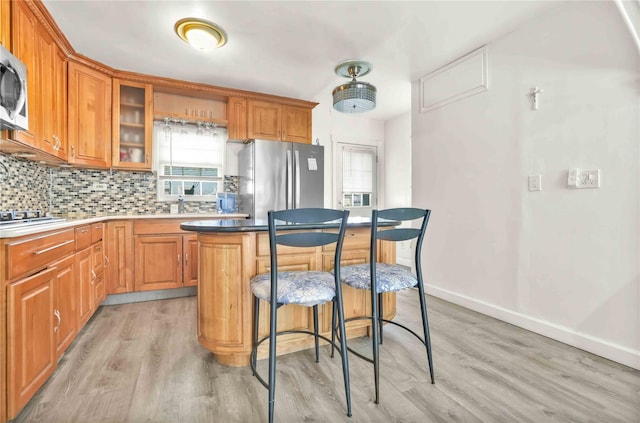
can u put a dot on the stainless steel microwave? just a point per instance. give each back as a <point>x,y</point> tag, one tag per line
<point>13,92</point>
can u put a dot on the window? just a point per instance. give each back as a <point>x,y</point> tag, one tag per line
<point>189,161</point>
<point>357,178</point>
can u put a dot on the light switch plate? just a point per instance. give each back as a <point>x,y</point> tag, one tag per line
<point>535,182</point>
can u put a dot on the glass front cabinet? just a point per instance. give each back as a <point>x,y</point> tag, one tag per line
<point>132,125</point>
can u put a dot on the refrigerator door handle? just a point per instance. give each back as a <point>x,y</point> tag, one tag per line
<point>297,182</point>
<point>289,171</point>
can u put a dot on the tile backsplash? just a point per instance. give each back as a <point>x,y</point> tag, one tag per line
<point>70,192</point>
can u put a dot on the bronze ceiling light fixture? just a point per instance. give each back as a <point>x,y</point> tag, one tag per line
<point>354,96</point>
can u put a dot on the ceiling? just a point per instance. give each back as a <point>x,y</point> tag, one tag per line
<point>291,48</point>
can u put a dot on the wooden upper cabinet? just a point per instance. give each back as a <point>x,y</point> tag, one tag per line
<point>24,27</point>
<point>5,23</point>
<point>89,116</point>
<point>46,79</point>
<point>277,122</point>
<point>263,120</point>
<point>237,116</point>
<point>132,125</point>
<point>296,124</point>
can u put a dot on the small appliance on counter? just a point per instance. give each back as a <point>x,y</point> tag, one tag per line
<point>227,202</point>
<point>13,219</point>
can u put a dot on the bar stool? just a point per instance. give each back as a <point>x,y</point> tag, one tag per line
<point>305,288</point>
<point>380,278</point>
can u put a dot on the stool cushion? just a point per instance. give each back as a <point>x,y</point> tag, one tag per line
<point>307,288</point>
<point>389,277</point>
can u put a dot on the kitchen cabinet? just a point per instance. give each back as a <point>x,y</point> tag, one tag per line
<point>237,116</point>
<point>5,23</point>
<point>46,79</point>
<point>64,304</point>
<point>132,125</point>
<point>31,346</point>
<point>165,261</point>
<point>24,27</point>
<point>119,257</point>
<point>278,122</point>
<point>89,116</point>
<point>89,261</point>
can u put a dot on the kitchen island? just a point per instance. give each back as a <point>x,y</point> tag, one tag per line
<point>232,251</point>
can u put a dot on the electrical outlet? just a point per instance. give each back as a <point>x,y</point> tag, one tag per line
<point>535,182</point>
<point>97,186</point>
<point>590,178</point>
<point>584,178</point>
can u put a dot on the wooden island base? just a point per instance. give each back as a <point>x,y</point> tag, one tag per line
<point>228,261</point>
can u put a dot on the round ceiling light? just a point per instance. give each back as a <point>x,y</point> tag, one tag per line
<point>201,34</point>
<point>354,96</point>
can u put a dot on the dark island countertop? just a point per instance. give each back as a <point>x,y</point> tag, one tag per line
<point>262,225</point>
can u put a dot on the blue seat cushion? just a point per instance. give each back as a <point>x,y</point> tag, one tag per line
<point>389,277</point>
<point>307,288</point>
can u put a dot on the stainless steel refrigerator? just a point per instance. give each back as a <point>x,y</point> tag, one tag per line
<point>276,175</point>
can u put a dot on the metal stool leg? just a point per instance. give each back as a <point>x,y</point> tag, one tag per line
<point>376,343</point>
<point>315,330</point>
<point>272,359</point>
<point>344,352</point>
<point>334,311</point>
<point>256,320</point>
<point>425,327</point>
<point>380,317</point>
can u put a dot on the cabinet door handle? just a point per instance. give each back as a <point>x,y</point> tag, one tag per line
<point>73,151</point>
<point>56,313</point>
<point>186,259</point>
<point>178,259</point>
<point>93,276</point>
<point>147,159</point>
<point>106,261</point>
<point>46,250</point>
<point>84,231</point>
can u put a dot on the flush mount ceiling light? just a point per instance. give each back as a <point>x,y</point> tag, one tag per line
<point>354,96</point>
<point>201,34</point>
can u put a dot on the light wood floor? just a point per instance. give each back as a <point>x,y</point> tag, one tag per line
<point>142,363</point>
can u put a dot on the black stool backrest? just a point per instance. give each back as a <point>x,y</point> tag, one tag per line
<point>399,234</point>
<point>298,219</point>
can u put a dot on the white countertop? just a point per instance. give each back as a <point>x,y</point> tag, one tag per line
<point>79,221</point>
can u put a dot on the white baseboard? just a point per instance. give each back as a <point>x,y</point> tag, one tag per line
<point>601,347</point>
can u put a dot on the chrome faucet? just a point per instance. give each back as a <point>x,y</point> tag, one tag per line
<point>180,204</point>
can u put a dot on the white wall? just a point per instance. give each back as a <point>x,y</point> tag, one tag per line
<point>330,126</point>
<point>561,262</point>
<point>397,176</point>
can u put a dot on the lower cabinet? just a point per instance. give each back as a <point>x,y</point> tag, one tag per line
<point>91,286</point>
<point>119,257</point>
<point>32,344</point>
<point>65,311</point>
<point>165,262</point>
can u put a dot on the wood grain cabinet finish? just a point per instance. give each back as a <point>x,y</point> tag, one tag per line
<point>278,122</point>
<point>165,262</point>
<point>89,116</point>
<point>237,116</point>
<point>5,23</point>
<point>31,346</point>
<point>65,292</point>
<point>119,257</point>
<point>225,303</point>
<point>46,79</point>
<point>23,28</point>
<point>89,264</point>
<point>132,130</point>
